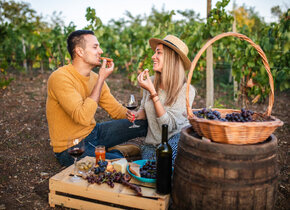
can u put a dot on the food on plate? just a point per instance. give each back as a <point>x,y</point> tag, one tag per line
<point>148,170</point>
<point>85,166</point>
<point>120,165</point>
<point>135,169</point>
<point>108,59</point>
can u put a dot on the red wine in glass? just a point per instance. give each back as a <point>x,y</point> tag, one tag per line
<point>76,152</point>
<point>76,148</point>
<point>131,105</point>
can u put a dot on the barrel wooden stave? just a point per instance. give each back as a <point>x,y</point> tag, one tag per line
<point>209,175</point>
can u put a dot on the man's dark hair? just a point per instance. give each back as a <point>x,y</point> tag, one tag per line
<point>76,38</point>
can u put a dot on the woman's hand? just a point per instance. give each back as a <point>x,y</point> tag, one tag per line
<point>139,115</point>
<point>131,115</point>
<point>145,81</point>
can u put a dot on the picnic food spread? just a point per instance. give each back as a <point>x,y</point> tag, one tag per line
<point>100,190</point>
<point>110,173</point>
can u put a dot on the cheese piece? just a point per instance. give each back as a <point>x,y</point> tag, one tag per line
<point>120,165</point>
<point>135,169</point>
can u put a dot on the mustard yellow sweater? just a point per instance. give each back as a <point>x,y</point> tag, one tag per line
<point>69,110</point>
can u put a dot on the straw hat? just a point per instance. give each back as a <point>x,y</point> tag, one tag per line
<point>175,44</point>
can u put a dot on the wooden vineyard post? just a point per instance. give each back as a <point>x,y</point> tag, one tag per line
<point>234,81</point>
<point>209,69</point>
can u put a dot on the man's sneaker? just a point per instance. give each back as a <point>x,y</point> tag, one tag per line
<point>128,150</point>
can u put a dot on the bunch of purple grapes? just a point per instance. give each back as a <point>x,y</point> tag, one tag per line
<point>102,166</point>
<point>243,116</point>
<point>208,114</point>
<point>148,170</point>
<point>113,177</point>
<point>108,177</point>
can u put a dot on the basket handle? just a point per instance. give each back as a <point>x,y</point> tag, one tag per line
<point>243,37</point>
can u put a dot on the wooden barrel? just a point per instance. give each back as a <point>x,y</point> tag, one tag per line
<point>209,175</point>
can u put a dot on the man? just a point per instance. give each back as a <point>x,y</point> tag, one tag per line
<point>75,92</point>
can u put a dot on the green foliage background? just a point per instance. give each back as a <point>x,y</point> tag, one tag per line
<point>27,40</point>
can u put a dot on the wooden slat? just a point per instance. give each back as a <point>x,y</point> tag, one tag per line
<point>50,195</point>
<point>119,194</point>
<point>145,184</point>
<point>65,185</point>
<point>76,203</point>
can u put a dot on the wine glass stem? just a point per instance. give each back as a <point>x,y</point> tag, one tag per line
<point>75,167</point>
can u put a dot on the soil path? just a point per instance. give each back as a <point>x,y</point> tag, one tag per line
<point>26,158</point>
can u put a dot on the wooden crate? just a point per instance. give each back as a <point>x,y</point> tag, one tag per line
<point>82,195</point>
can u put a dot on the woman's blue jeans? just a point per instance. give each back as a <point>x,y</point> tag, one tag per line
<point>109,134</point>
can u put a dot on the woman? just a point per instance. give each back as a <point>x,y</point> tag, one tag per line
<point>164,94</point>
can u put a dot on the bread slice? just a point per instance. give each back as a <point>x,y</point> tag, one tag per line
<point>134,169</point>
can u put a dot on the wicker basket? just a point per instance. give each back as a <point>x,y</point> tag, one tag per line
<point>233,132</point>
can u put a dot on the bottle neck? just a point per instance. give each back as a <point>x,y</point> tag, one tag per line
<point>164,133</point>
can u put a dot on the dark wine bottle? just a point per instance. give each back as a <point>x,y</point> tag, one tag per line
<point>164,164</point>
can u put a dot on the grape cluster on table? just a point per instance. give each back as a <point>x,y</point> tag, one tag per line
<point>243,116</point>
<point>102,166</point>
<point>100,176</point>
<point>148,170</point>
<point>107,177</point>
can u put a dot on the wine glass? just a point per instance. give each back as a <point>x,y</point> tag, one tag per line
<point>76,148</point>
<point>131,105</point>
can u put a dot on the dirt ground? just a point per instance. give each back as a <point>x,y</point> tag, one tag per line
<point>26,158</point>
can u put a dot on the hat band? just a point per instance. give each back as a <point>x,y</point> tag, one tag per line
<point>170,43</point>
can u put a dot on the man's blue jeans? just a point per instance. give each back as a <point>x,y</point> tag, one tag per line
<point>109,134</point>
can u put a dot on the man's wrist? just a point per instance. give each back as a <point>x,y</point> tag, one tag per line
<point>101,78</point>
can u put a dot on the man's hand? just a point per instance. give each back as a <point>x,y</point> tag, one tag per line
<point>103,74</point>
<point>106,69</point>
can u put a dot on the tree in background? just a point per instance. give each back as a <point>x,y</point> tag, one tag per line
<point>28,43</point>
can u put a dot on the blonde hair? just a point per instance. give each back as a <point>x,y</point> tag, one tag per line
<point>172,77</point>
